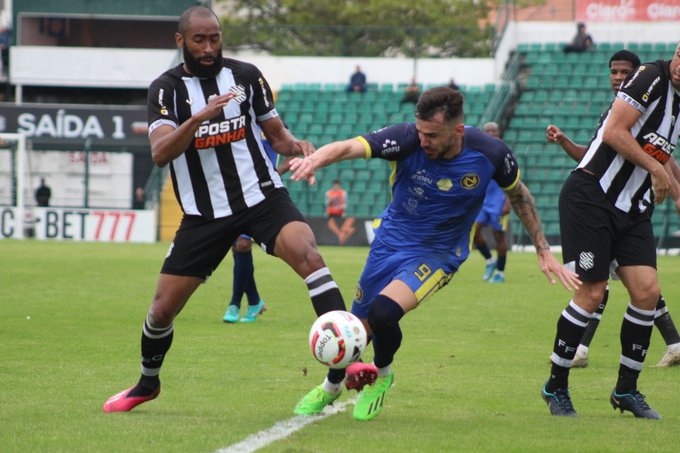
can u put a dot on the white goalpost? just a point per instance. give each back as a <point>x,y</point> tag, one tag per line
<point>13,189</point>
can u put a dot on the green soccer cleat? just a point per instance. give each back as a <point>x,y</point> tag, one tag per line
<point>314,402</point>
<point>232,314</point>
<point>371,399</point>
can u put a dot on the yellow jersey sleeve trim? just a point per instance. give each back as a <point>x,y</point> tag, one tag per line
<point>367,147</point>
<point>514,183</point>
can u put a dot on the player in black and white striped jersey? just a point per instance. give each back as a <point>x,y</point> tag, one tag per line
<point>621,63</point>
<point>206,117</point>
<point>605,214</point>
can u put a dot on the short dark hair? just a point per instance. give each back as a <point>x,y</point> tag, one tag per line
<point>190,12</point>
<point>440,99</point>
<point>625,55</point>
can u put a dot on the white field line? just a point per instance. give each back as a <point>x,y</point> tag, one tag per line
<point>282,430</point>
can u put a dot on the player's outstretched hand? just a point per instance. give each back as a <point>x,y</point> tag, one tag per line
<point>554,134</point>
<point>302,168</point>
<point>304,148</point>
<point>549,266</point>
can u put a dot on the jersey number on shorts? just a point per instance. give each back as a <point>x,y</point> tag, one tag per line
<point>423,272</point>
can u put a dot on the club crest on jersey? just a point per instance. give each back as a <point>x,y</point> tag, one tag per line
<point>239,93</point>
<point>469,181</point>
<point>586,260</point>
<point>358,294</point>
<point>445,184</point>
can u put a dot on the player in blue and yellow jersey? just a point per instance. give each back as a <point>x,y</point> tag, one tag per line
<point>441,170</point>
<point>244,271</point>
<point>494,214</point>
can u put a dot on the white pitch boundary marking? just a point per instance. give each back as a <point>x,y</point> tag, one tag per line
<point>282,429</point>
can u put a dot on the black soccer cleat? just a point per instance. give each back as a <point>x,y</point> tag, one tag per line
<point>633,402</point>
<point>559,402</point>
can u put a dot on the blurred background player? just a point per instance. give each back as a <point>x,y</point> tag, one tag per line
<point>244,269</point>
<point>621,64</point>
<point>244,282</point>
<point>494,214</point>
<point>336,204</point>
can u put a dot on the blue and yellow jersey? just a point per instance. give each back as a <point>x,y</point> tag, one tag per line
<point>435,202</point>
<point>495,198</point>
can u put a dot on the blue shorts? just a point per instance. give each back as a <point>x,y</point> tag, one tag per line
<point>424,273</point>
<point>495,219</point>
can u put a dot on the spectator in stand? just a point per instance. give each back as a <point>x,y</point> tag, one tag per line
<point>43,194</point>
<point>336,203</point>
<point>5,33</point>
<point>140,199</point>
<point>453,85</point>
<point>411,92</point>
<point>357,82</point>
<point>581,42</point>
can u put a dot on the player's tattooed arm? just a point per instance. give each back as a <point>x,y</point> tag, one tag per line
<point>524,206</point>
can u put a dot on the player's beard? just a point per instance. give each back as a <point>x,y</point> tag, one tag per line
<point>197,69</point>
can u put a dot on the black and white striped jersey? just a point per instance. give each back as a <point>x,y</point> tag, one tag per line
<point>225,170</point>
<point>626,185</point>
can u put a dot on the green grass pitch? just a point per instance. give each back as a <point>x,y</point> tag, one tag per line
<point>468,375</point>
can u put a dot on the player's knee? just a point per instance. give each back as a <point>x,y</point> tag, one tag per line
<point>384,314</point>
<point>243,245</point>
<point>159,315</point>
<point>646,294</point>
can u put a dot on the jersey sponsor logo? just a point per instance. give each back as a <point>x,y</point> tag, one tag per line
<point>639,71</point>
<point>469,181</point>
<point>389,147</point>
<point>263,87</point>
<point>239,94</point>
<point>421,177</point>
<point>417,191</point>
<point>445,184</point>
<point>164,109</point>
<point>645,96</point>
<point>586,260</point>
<point>230,130</point>
<point>657,147</point>
<point>508,164</point>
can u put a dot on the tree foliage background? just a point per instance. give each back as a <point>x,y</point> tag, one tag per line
<point>425,28</point>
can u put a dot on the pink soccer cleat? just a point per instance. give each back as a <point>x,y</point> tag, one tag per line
<point>360,374</point>
<point>120,402</point>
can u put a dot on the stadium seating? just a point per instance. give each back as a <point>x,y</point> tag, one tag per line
<point>326,113</point>
<point>571,91</point>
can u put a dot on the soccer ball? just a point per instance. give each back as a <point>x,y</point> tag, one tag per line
<point>337,338</point>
